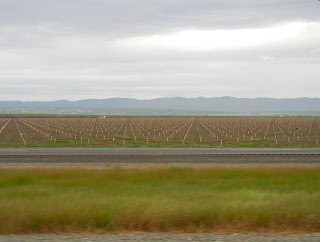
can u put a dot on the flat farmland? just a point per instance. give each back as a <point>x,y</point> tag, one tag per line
<point>159,132</point>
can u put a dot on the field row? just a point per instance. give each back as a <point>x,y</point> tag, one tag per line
<point>159,132</point>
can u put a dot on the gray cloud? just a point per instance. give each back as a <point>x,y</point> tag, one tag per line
<point>117,16</point>
<point>84,49</point>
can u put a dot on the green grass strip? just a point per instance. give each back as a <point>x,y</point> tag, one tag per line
<point>160,199</point>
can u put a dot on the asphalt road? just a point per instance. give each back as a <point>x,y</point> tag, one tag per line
<point>161,155</point>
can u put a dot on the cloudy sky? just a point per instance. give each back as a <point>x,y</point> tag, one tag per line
<point>81,49</point>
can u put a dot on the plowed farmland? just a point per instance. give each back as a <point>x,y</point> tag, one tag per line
<point>159,132</point>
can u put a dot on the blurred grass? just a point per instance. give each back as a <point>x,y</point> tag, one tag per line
<point>160,199</point>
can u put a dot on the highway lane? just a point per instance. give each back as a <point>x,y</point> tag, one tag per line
<point>161,155</point>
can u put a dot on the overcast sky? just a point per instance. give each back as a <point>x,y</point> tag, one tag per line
<point>81,49</point>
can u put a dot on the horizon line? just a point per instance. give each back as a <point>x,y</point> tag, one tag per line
<point>160,98</point>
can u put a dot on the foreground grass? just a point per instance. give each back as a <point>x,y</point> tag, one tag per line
<point>160,199</point>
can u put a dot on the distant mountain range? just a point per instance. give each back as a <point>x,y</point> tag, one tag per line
<point>175,105</point>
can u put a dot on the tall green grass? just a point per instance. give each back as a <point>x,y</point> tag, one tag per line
<point>160,199</point>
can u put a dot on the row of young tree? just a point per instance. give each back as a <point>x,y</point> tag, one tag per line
<point>159,131</point>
